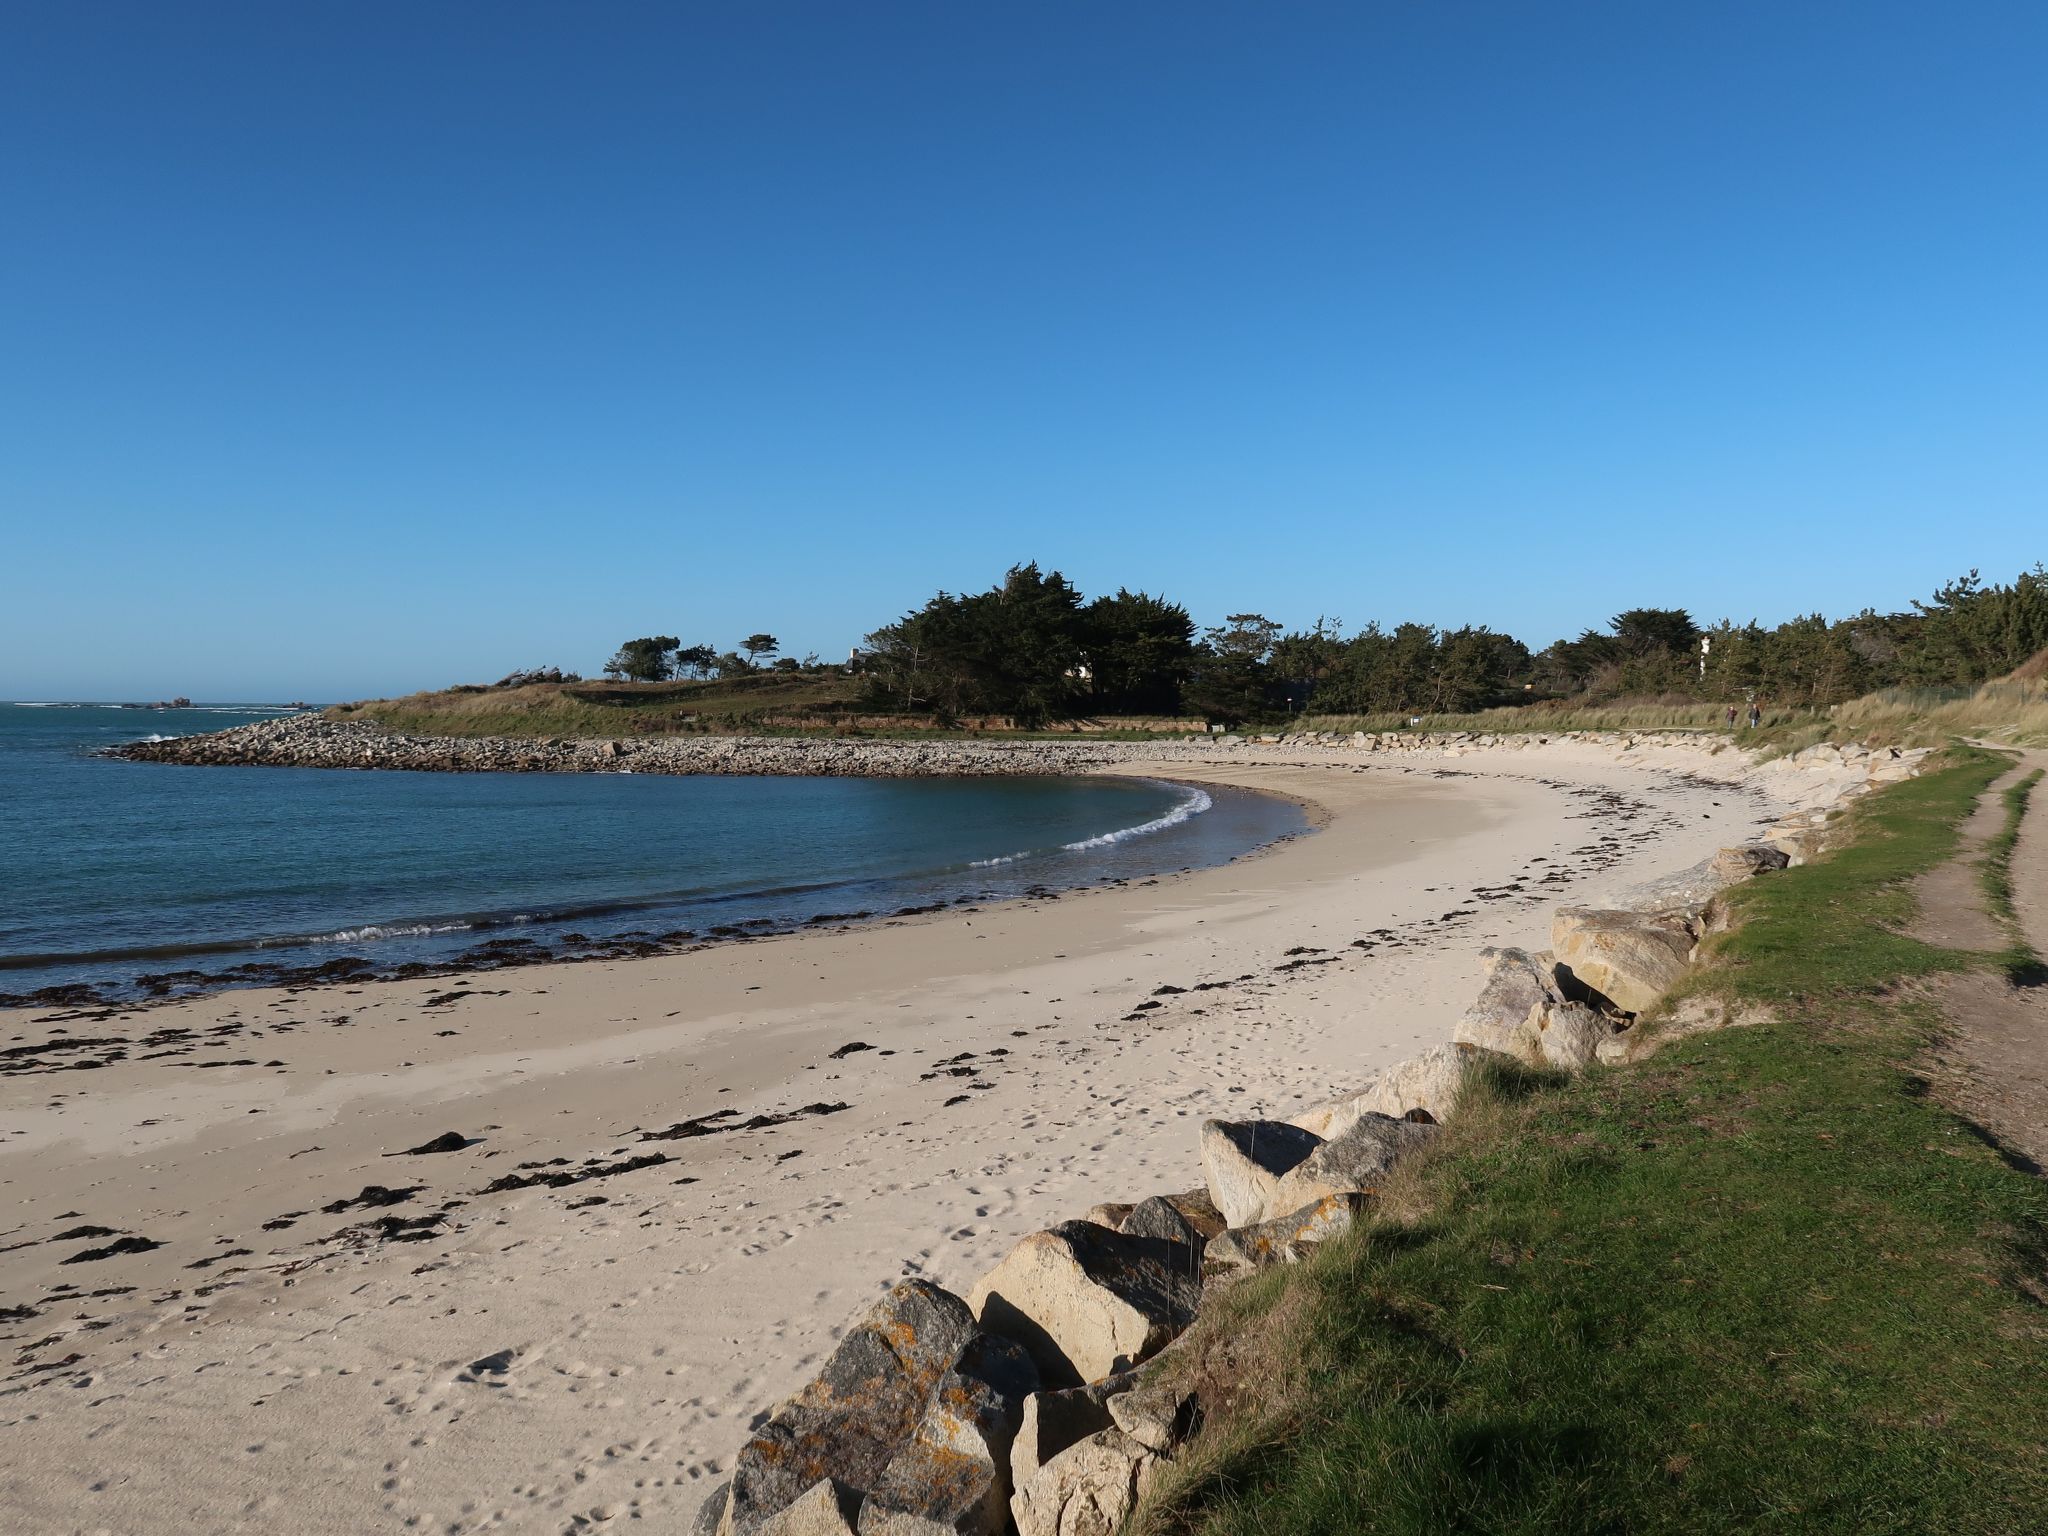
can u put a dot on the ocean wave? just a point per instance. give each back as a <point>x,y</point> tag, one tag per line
<point>368,932</point>
<point>1196,802</point>
<point>1191,805</point>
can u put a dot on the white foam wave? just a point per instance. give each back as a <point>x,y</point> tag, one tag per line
<point>371,931</point>
<point>1195,802</point>
<point>1191,805</point>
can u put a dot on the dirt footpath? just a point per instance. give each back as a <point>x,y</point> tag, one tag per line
<point>1995,1064</point>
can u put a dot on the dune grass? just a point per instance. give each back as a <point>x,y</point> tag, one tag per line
<point>1759,1282</point>
<point>2009,711</point>
<point>2013,713</point>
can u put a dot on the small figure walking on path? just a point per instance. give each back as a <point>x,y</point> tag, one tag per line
<point>1756,714</point>
<point>1731,717</point>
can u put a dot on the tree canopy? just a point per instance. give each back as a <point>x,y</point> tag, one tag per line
<point>1031,649</point>
<point>1015,649</point>
<point>650,659</point>
<point>1139,650</point>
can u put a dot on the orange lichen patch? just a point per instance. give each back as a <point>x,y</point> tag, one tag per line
<point>947,1475</point>
<point>861,1410</point>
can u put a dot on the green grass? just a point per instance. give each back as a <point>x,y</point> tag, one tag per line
<point>1759,1282</point>
<point>1831,929</point>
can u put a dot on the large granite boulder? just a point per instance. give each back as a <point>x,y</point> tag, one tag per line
<point>1422,1087</point>
<point>1244,1159</point>
<point>1157,1417</point>
<point>1054,1420</point>
<point>1287,1240</point>
<point>827,1509</point>
<point>1548,1031</point>
<point>1087,1302</point>
<point>1162,1219</point>
<point>1687,890</point>
<point>1890,765</point>
<point>850,1422</point>
<point>953,1478</point>
<point>1748,860</point>
<point>1089,1489</point>
<point>1517,984</point>
<point>1199,1210</point>
<point>1630,959</point>
<point>1800,845</point>
<point>1351,1163</point>
<point>1569,1036</point>
<point>711,1513</point>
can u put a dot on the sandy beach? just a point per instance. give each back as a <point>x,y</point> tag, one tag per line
<point>332,1334</point>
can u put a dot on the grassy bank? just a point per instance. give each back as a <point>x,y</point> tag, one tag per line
<point>779,703</point>
<point>1759,1282</point>
<point>598,709</point>
<point>766,704</point>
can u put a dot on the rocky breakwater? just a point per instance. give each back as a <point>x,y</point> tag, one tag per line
<point>1046,1401</point>
<point>312,741</point>
<point>309,741</point>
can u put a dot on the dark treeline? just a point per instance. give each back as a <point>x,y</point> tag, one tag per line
<point>1033,649</point>
<point>659,658</point>
<point>1030,648</point>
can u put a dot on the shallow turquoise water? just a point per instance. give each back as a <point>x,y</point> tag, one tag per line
<point>110,870</point>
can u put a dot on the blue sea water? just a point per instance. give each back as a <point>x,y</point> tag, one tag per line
<point>111,870</point>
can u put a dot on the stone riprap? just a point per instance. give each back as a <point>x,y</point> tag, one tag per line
<point>313,741</point>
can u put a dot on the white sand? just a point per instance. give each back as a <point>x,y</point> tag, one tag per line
<point>329,1388</point>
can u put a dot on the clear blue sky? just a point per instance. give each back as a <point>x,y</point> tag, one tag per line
<point>360,347</point>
